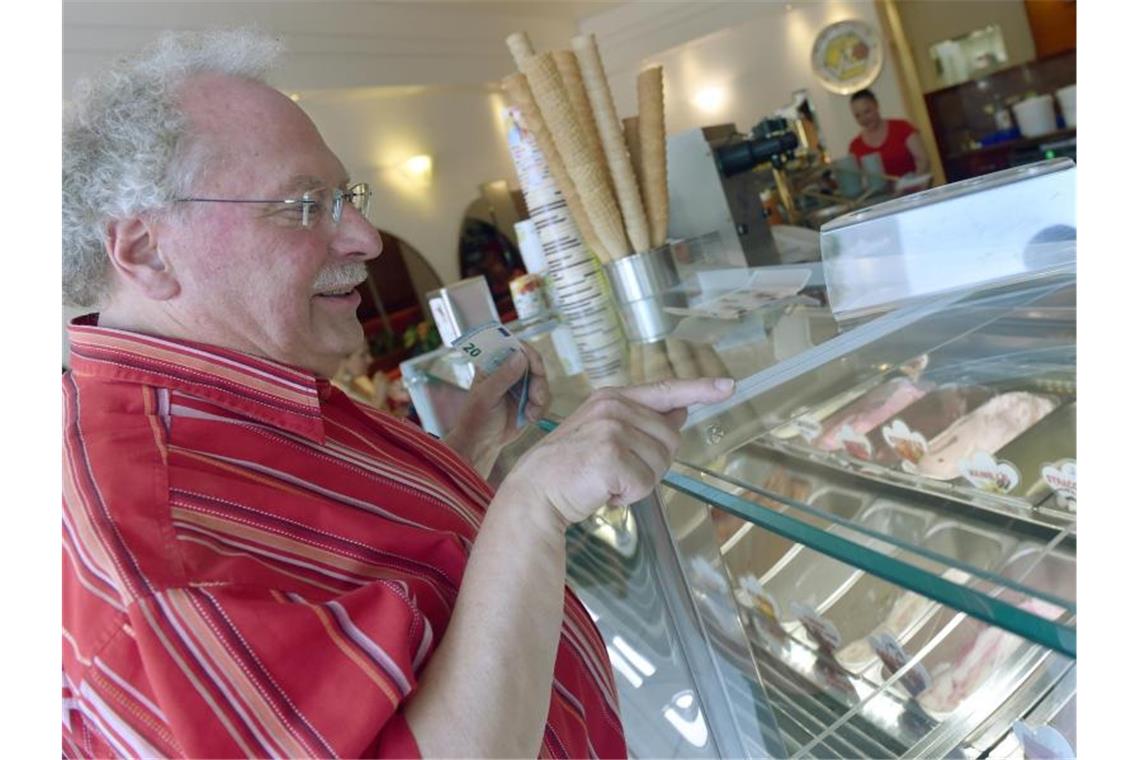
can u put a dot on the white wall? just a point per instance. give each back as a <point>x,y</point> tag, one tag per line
<point>759,52</point>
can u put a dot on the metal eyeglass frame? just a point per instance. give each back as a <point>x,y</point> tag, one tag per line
<point>308,202</point>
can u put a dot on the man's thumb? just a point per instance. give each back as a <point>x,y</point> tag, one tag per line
<point>508,373</point>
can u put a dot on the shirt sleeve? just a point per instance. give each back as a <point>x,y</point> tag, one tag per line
<point>906,129</point>
<point>238,671</point>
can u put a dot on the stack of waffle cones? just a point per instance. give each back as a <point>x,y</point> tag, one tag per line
<point>614,184</point>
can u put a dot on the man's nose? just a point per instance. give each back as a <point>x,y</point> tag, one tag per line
<point>356,236</point>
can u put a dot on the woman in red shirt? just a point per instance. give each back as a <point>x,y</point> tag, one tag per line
<point>895,140</point>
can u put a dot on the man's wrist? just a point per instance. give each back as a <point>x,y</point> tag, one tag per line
<point>481,456</point>
<point>457,441</point>
<point>525,503</point>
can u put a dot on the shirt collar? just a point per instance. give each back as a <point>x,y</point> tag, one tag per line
<point>264,390</point>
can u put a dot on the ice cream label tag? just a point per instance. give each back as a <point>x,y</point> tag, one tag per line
<point>910,445</point>
<point>1061,476</point>
<point>894,657</point>
<point>822,630</point>
<point>808,428</point>
<point>856,444</point>
<point>761,603</point>
<point>988,474</point>
<point>1042,743</point>
<point>707,576</point>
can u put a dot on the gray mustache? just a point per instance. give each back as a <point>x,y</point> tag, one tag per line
<point>341,276</point>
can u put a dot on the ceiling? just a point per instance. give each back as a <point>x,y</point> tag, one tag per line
<point>572,10</point>
<point>338,43</point>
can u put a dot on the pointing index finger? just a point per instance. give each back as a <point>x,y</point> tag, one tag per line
<point>666,395</point>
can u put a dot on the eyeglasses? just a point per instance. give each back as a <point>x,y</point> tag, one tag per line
<point>306,211</point>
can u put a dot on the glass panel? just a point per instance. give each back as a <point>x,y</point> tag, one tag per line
<point>618,584</point>
<point>815,554</point>
<point>971,404</point>
<point>700,347</point>
<point>855,666</point>
<point>965,235</point>
<point>686,678</point>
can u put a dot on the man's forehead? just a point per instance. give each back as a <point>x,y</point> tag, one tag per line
<point>250,122</point>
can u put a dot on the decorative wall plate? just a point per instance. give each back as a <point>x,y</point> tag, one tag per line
<point>847,56</point>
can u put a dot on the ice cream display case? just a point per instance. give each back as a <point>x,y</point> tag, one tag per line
<point>887,516</point>
<point>896,530</point>
<point>869,550</point>
<point>872,544</point>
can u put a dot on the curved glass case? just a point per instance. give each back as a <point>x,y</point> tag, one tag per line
<point>870,549</point>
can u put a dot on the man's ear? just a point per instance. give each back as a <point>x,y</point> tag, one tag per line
<point>135,255</point>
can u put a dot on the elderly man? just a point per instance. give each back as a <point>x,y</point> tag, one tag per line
<point>253,563</point>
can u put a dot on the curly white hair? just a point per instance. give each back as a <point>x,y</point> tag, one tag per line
<point>126,151</point>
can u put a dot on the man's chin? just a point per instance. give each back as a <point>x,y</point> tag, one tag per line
<point>324,355</point>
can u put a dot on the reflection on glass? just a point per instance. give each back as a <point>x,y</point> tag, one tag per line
<point>684,714</point>
<point>622,667</point>
<point>631,654</point>
<point>971,55</point>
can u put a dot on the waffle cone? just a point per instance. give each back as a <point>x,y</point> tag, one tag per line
<point>520,96</point>
<point>636,364</point>
<point>681,359</point>
<point>657,362</point>
<point>629,129</point>
<point>609,130</point>
<point>519,45</point>
<point>576,90</point>
<point>651,129</point>
<point>589,177</point>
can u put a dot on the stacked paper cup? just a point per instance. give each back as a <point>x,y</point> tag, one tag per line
<point>574,275</point>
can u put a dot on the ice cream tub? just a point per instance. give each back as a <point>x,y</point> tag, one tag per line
<point>806,420</point>
<point>1051,441</point>
<point>756,550</point>
<point>1050,573</point>
<point>983,432</point>
<point>812,579</point>
<point>974,655</point>
<point>873,605</point>
<point>906,437</point>
<point>849,427</point>
<point>864,607</point>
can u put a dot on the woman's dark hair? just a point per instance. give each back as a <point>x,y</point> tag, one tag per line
<point>864,94</point>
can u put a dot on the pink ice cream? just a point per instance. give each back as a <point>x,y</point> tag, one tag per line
<point>954,682</point>
<point>987,428</point>
<point>869,412</point>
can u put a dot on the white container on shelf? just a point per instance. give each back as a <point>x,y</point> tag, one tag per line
<point>1035,116</point>
<point>1067,99</point>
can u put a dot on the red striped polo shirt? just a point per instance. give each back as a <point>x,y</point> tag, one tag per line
<point>254,564</point>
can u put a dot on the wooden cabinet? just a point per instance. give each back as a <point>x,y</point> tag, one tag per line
<point>1053,24</point>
